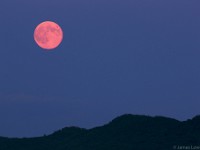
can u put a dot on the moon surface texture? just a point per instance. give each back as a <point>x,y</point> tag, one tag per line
<point>48,35</point>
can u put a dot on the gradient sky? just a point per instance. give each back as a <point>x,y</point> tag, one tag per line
<point>117,57</point>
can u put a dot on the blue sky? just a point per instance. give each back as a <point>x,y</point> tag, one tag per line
<point>117,57</point>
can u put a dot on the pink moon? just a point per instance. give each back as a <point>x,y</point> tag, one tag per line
<point>48,35</point>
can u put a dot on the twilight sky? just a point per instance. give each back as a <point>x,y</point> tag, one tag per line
<point>117,57</point>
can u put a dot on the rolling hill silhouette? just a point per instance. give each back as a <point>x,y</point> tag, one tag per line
<point>127,132</point>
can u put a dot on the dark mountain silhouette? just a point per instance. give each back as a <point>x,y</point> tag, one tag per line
<point>127,132</point>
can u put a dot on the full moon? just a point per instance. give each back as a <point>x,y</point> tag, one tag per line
<point>48,35</point>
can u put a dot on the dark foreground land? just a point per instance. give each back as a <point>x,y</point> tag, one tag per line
<point>128,132</point>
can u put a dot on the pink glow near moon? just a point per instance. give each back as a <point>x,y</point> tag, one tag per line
<point>48,35</point>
